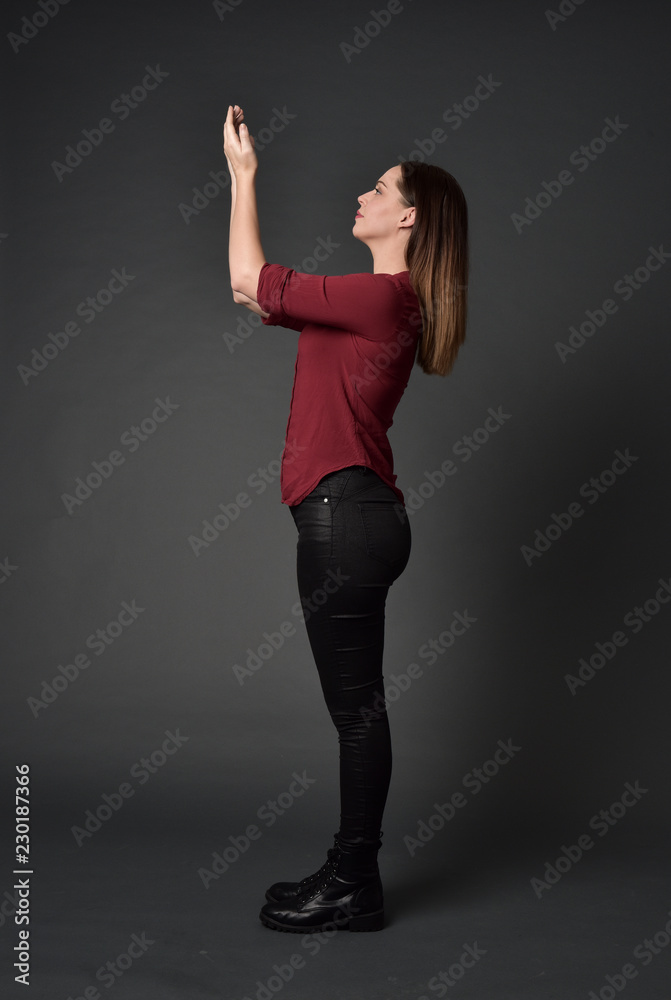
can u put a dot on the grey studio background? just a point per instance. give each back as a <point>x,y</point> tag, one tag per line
<point>147,651</point>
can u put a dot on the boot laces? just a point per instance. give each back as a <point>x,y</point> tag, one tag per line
<point>325,869</point>
<point>323,877</point>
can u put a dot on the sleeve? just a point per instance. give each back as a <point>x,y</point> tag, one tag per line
<point>366,304</point>
<point>271,302</point>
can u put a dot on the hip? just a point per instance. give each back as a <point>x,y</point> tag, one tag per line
<point>353,514</point>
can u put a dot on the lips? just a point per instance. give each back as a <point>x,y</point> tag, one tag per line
<point>358,215</point>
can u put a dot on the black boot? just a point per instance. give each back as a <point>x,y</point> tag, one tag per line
<point>346,893</point>
<point>283,890</point>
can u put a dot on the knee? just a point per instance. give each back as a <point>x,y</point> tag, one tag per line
<point>357,721</point>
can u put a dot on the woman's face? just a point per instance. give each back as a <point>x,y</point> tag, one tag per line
<point>381,209</point>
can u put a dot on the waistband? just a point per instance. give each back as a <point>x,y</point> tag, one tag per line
<point>348,480</point>
<point>362,469</point>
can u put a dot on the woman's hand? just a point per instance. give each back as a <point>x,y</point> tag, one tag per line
<point>239,146</point>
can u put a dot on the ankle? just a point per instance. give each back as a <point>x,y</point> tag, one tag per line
<point>358,843</point>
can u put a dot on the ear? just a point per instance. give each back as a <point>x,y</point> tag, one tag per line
<point>408,217</point>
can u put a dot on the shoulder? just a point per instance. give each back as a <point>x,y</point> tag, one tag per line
<point>398,283</point>
<point>380,286</point>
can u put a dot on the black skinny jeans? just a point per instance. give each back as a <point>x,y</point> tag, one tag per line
<point>353,542</point>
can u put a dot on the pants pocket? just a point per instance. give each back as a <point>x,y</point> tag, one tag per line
<point>386,528</point>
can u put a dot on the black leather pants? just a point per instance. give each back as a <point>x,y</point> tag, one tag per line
<point>353,542</point>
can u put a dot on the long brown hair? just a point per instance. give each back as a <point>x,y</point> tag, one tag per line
<point>437,257</point>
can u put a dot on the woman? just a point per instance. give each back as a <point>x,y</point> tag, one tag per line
<point>360,335</point>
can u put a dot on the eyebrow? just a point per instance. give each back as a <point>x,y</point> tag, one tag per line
<point>381,182</point>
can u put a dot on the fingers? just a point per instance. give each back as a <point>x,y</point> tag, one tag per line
<point>245,142</point>
<point>234,117</point>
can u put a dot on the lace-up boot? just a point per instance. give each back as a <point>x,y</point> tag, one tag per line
<point>346,893</point>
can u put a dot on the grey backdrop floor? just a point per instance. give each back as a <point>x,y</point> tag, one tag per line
<point>130,917</point>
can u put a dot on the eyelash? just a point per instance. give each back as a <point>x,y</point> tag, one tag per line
<point>378,191</point>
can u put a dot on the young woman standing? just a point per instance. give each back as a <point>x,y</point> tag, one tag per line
<point>360,335</point>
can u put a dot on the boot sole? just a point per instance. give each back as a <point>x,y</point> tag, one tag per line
<point>363,922</point>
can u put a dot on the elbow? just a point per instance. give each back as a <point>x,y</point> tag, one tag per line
<point>245,283</point>
<point>240,287</point>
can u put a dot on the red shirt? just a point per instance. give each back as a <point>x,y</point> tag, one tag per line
<point>357,346</point>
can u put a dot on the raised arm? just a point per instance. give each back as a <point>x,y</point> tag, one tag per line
<point>245,253</point>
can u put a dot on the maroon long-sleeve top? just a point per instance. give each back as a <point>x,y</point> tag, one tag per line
<point>357,345</point>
